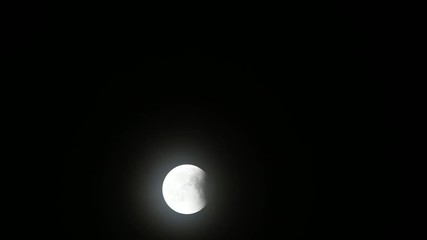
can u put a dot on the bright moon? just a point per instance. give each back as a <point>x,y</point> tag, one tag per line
<point>183,189</point>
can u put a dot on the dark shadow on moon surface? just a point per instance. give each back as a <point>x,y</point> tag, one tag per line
<point>197,181</point>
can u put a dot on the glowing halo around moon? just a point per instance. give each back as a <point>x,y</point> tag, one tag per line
<point>184,189</point>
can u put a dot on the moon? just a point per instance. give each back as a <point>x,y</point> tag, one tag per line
<point>184,189</point>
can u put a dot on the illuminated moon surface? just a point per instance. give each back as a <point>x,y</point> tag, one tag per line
<point>183,189</point>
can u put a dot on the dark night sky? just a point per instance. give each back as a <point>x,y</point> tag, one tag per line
<point>283,101</point>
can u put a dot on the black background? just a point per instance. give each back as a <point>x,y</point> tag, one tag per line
<point>284,93</point>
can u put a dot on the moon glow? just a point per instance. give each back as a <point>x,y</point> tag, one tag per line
<point>184,189</point>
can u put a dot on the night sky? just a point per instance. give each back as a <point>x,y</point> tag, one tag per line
<point>277,109</point>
